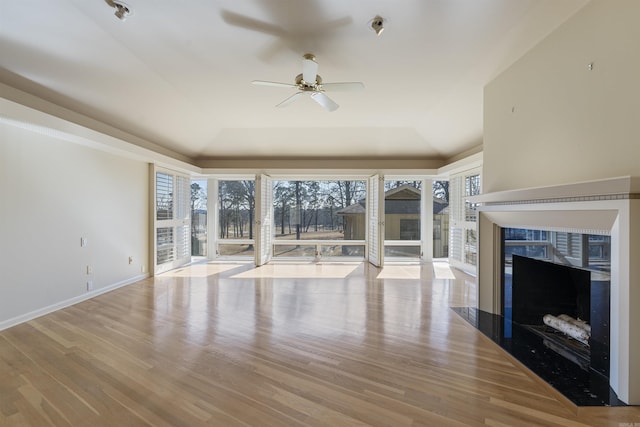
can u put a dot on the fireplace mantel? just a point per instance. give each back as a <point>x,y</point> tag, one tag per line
<point>606,189</point>
<point>609,207</point>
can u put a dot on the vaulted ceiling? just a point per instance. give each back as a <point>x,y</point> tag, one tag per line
<point>179,74</point>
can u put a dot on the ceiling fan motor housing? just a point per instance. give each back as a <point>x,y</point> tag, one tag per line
<point>308,86</point>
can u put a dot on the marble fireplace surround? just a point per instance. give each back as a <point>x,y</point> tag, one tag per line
<point>607,207</point>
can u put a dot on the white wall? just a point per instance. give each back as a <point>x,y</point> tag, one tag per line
<point>52,193</point>
<point>550,120</point>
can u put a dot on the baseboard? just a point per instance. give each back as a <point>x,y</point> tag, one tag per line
<point>63,304</point>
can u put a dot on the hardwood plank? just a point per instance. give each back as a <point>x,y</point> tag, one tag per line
<point>232,345</point>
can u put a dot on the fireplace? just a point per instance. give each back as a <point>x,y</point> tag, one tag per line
<point>535,288</point>
<point>606,208</point>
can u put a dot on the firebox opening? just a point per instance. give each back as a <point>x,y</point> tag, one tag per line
<point>554,301</point>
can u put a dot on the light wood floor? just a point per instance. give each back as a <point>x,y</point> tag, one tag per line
<point>281,345</point>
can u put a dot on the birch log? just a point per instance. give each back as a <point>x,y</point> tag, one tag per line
<point>579,323</point>
<point>570,329</point>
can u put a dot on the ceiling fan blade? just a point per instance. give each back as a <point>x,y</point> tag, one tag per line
<point>290,99</point>
<point>248,23</point>
<point>336,23</point>
<point>342,87</point>
<point>326,27</point>
<point>326,102</point>
<point>275,84</point>
<point>309,69</point>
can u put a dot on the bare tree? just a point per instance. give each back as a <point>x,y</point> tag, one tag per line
<point>441,190</point>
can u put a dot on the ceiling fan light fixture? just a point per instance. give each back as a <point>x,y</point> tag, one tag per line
<point>377,24</point>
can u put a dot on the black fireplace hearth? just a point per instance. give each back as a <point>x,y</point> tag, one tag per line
<point>580,386</point>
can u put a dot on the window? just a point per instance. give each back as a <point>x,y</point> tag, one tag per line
<point>164,196</point>
<point>236,217</point>
<point>462,220</point>
<point>172,220</point>
<point>470,247</point>
<point>471,188</point>
<point>313,218</point>
<point>199,218</point>
<point>440,219</point>
<point>312,210</point>
<point>403,218</point>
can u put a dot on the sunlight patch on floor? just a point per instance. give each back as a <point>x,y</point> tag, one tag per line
<point>300,271</point>
<point>400,272</point>
<point>201,270</point>
<point>441,270</point>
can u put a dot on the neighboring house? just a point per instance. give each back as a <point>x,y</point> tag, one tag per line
<point>440,228</point>
<point>402,215</point>
<point>402,218</point>
<point>355,219</point>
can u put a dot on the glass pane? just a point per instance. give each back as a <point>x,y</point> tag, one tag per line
<point>402,210</point>
<point>165,245</point>
<point>339,250</point>
<point>319,210</point>
<point>237,209</point>
<point>294,250</point>
<point>199,218</point>
<point>440,219</point>
<point>471,188</point>
<point>472,185</point>
<point>164,196</point>
<point>470,247</point>
<point>232,249</point>
<point>182,242</point>
<point>409,229</point>
<point>402,251</point>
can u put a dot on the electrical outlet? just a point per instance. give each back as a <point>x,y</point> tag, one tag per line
<point>90,285</point>
<point>143,268</point>
<point>89,269</point>
<point>130,260</point>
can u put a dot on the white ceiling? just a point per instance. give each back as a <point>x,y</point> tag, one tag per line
<point>178,74</point>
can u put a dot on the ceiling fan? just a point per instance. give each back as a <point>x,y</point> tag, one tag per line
<point>310,82</point>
